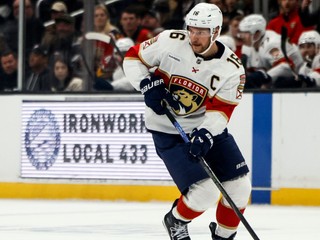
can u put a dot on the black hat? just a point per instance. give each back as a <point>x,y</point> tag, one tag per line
<point>152,13</point>
<point>37,49</point>
<point>66,18</point>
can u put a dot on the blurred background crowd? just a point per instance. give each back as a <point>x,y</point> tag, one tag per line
<point>54,58</point>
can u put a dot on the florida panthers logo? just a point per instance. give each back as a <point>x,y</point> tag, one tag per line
<point>189,94</point>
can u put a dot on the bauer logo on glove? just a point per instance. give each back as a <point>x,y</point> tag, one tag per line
<point>148,85</point>
<point>155,92</point>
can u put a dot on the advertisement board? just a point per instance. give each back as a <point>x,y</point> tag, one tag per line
<point>88,140</point>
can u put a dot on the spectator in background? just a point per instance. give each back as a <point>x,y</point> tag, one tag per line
<point>44,10</point>
<point>104,60</point>
<point>38,79</point>
<point>233,9</point>
<point>163,10</point>
<point>75,5</point>
<point>45,6</point>
<point>63,79</point>
<point>234,33</point>
<point>9,75</point>
<point>178,10</point>
<point>34,28</point>
<point>273,9</point>
<point>57,10</point>
<point>102,22</point>
<point>5,13</point>
<point>66,43</point>
<point>151,21</point>
<point>247,6</point>
<point>290,19</point>
<point>309,18</point>
<point>130,22</point>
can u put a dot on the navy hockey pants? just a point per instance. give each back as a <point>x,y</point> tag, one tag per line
<point>224,158</point>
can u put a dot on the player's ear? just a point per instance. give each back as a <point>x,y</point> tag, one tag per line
<point>257,35</point>
<point>215,32</point>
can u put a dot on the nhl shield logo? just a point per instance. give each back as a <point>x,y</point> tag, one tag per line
<point>189,94</point>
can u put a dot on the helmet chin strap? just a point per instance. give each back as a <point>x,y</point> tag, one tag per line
<point>212,40</point>
<point>254,41</point>
<point>214,35</point>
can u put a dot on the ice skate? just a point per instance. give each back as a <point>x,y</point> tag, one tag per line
<point>213,227</point>
<point>177,229</point>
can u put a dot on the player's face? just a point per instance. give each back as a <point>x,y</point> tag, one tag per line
<point>199,38</point>
<point>308,51</point>
<point>246,38</point>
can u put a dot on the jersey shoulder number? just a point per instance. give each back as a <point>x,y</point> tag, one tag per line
<point>234,60</point>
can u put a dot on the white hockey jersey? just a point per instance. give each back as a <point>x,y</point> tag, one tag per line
<point>315,72</point>
<point>207,89</point>
<point>270,57</point>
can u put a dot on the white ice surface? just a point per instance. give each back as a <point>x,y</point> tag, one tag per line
<point>104,220</point>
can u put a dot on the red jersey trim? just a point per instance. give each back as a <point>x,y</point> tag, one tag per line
<point>283,60</point>
<point>317,70</point>
<point>134,54</point>
<point>220,105</point>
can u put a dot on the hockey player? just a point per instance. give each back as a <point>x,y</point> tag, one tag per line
<point>202,80</point>
<point>120,81</point>
<point>309,45</point>
<point>315,73</point>
<point>264,59</point>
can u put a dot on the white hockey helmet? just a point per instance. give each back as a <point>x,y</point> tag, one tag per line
<point>311,36</point>
<point>253,23</point>
<point>205,15</point>
<point>123,44</point>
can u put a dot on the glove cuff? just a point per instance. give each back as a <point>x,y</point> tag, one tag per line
<point>147,84</point>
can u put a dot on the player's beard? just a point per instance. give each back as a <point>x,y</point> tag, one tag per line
<point>198,48</point>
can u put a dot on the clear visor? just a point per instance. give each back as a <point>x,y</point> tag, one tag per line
<point>198,32</point>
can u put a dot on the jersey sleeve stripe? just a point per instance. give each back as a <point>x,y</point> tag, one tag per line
<point>217,104</point>
<point>134,54</point>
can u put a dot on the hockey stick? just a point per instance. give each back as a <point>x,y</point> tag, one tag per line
<point>98,36</point>
<point>103,38</point>
<point>284,37</point>
<point>211,174</point>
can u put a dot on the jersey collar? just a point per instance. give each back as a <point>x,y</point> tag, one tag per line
<point>218,54</point>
